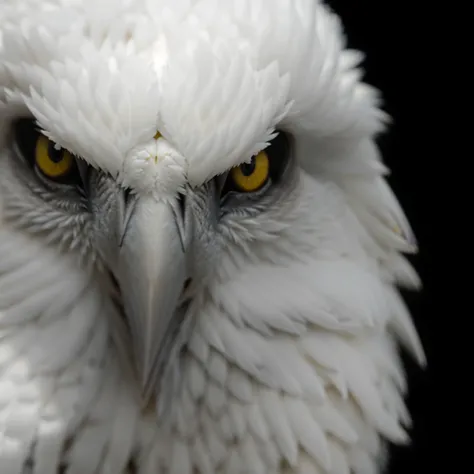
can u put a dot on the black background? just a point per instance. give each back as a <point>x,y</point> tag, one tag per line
<point>394,36</point>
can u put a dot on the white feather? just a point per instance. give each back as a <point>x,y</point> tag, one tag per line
<point>293,366</point>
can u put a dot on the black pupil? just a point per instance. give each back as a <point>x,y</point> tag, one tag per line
<point>55,155</point>
<point>248,168</point>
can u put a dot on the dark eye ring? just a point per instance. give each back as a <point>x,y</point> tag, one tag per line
<point>52,162</point>
<point>267,166</point>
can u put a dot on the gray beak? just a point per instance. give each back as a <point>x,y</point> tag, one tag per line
<point>152,247</point>
<point>152,270</point>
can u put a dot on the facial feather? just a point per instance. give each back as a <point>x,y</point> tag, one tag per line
<point>290,361</point>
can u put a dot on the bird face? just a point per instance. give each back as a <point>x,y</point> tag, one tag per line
<point>161,251</point>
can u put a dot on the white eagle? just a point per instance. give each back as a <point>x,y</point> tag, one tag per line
<point>199,253</point>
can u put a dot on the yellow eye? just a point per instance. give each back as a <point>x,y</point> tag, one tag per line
<point>52,162</point>
<point>250,177</point>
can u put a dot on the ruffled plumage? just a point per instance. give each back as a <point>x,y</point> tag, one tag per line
<point>289,371</point>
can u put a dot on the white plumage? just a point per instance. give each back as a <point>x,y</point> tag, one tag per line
<point>292,364</point>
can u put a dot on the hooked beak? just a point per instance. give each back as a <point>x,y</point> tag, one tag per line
<point>152,270</point>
